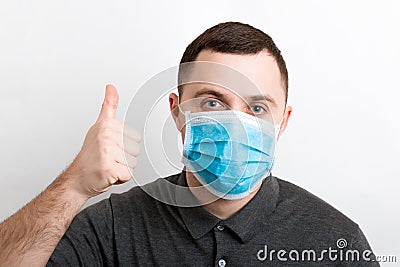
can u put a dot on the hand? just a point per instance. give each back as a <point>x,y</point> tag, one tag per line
<point>101,162</point>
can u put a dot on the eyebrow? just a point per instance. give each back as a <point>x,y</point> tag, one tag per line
<point>264,97</point>
<point>219,95</point>
<point>208,91</point>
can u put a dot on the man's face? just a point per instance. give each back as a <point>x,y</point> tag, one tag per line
<point>260,68</point>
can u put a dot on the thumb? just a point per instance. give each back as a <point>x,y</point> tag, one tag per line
<point>110,103</point>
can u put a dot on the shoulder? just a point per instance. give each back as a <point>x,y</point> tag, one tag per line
<point>136,199</point>
<point>141,202</point>
<point>306,221</point>
<point>313,213</point>
<point>141,196</point>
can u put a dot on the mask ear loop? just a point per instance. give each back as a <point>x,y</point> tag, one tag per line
<point>181,116</point>
<point>277,132</point>
<point>277,129</point>
<point>278,126</point>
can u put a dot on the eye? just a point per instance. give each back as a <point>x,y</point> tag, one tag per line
<point>211,104</point>
<point>257,109</point>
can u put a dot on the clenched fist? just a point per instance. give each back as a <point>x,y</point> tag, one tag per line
<point>102,161</point>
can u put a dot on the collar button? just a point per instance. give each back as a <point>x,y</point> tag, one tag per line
<point>220,227</point>
<point>221,263</point>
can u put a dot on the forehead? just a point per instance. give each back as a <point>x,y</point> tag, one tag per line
<point>260,68</point>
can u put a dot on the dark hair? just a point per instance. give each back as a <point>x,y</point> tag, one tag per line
<point>236,38</point>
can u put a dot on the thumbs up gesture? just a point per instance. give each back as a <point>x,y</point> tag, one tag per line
<point>101,162</point>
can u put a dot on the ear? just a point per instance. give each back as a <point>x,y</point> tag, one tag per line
<point>174,108</point>
<point>285,121</point>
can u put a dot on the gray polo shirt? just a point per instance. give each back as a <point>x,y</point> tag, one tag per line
<point>283,225</point>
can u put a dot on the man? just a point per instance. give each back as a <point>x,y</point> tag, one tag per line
<point>270,222</point>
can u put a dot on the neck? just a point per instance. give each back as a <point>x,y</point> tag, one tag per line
<point>221,208</point>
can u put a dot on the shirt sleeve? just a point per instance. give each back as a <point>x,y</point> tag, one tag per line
<point>89,239</point>
<point>366,256</point>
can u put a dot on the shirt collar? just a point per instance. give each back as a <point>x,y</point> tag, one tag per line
<point>245,223</point>
<point>197,220</point>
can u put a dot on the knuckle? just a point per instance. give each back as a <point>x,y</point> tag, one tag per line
<point>105,124</point>
<point>135,150</point>
<point>112,179</point>
<point>132,162</point>
<point>125,177</point>
<point>106,133</point>
<point>133,133</point>
<point>105,150</point>
<point>138,136</point>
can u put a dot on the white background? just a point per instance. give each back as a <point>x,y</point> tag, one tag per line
<point>342,143</point>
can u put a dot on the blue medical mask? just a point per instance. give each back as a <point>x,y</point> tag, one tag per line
<point>229,152</point>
